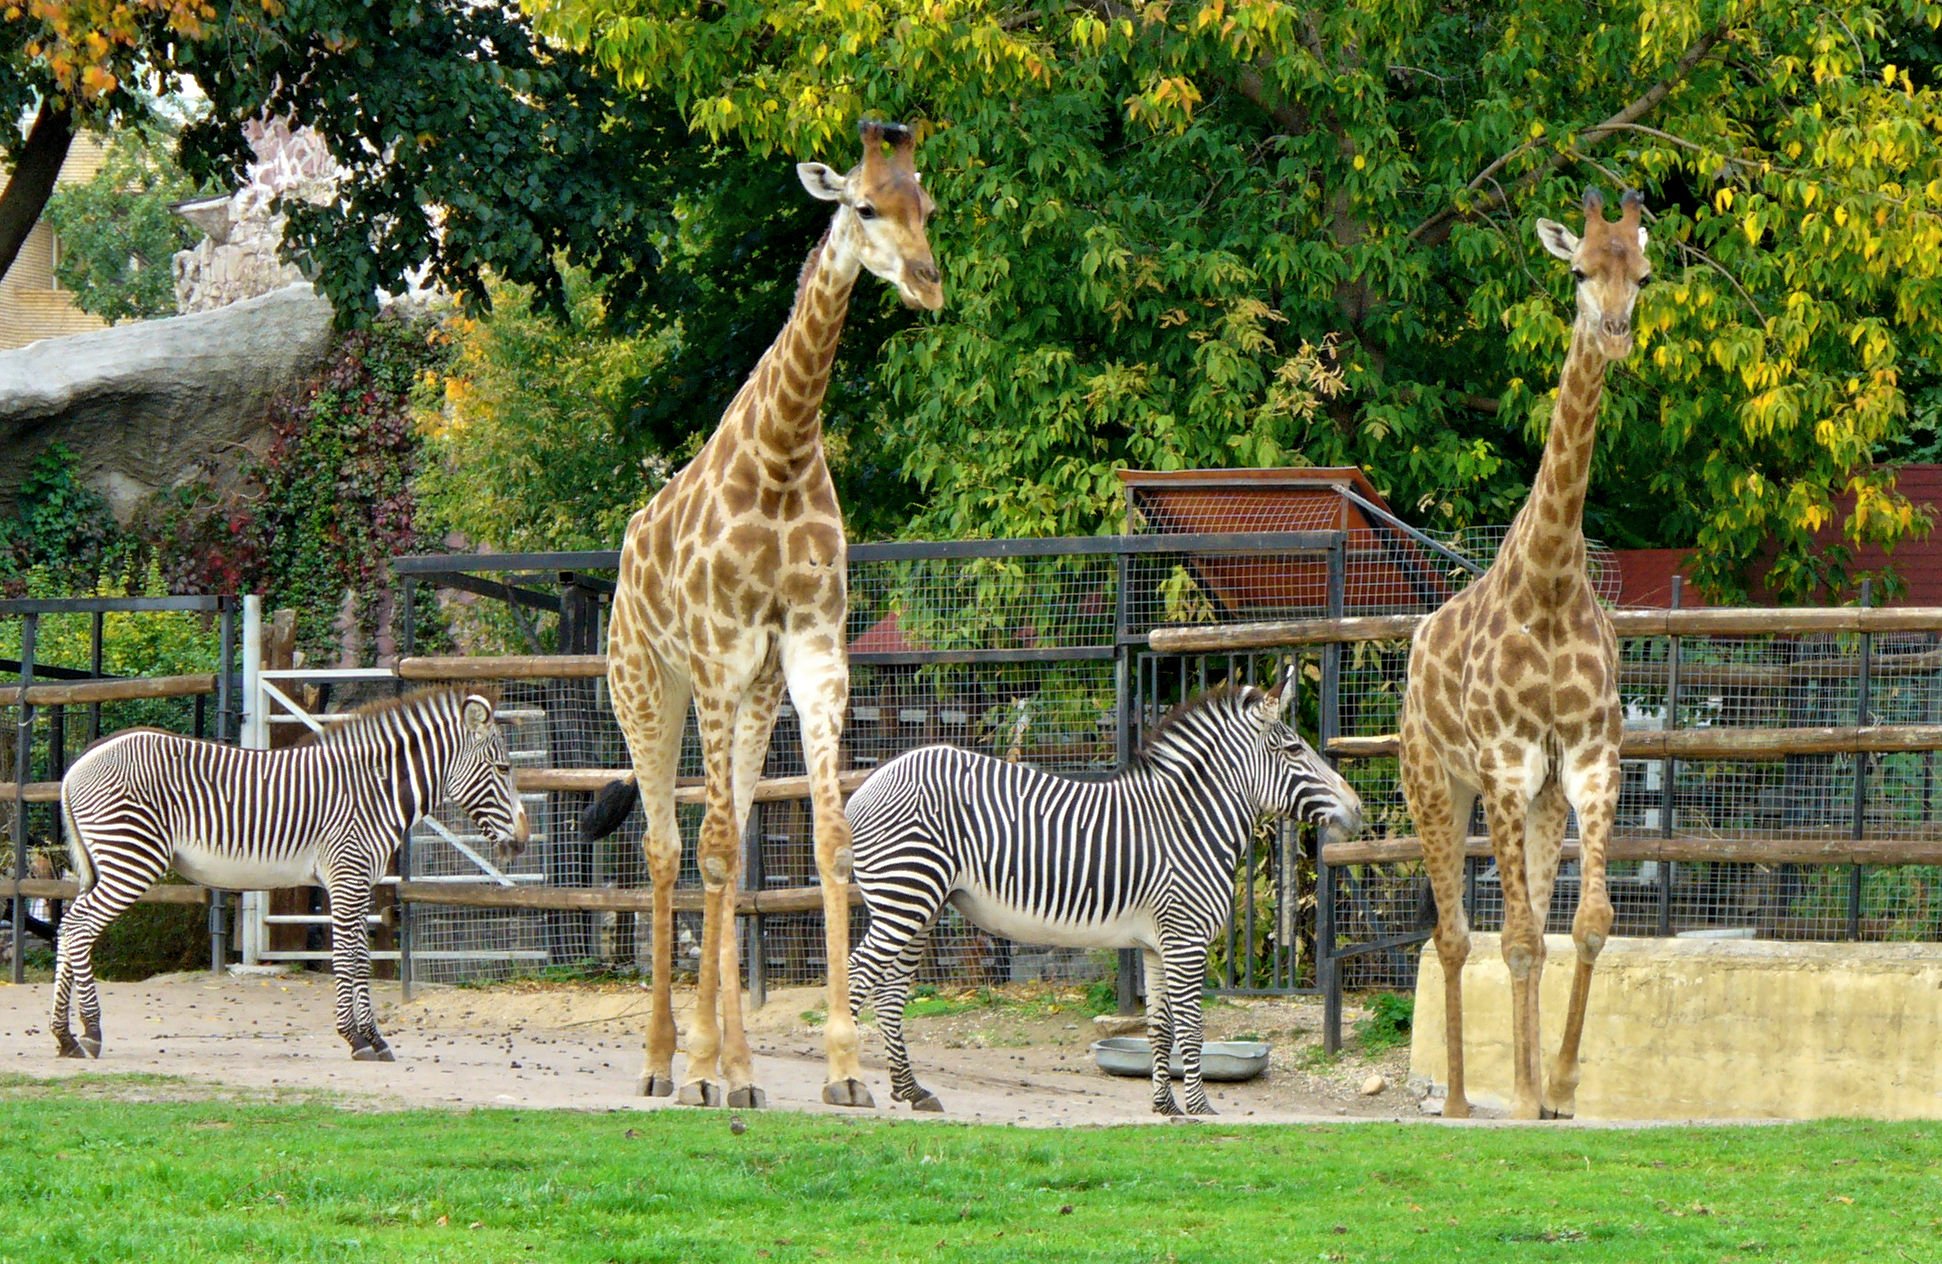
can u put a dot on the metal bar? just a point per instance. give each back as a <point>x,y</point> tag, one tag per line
<point>408,618</point>
<point>225,664</point>
<point>1669,767</point>
<point>1329,726</point>
<point>509,593</point>
<point>23,755</point>
<point>1390,944</point>
<point>485,866</point>
<point>1374,510</point>
<point>752,880</point>
<point>1126,702</point>
<point>296,712</point>
<point>1860,823</point>
<point>47,671</point>
<point>925,658</point>
<point>95,622</point>
<point>93,605</point>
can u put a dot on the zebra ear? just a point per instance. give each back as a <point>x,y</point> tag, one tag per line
<point>477,713</point>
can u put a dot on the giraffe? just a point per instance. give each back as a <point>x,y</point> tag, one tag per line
<point>732,586</point>
<point>1513,695</point>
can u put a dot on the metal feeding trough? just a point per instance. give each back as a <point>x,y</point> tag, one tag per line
<point>1219,1059</point>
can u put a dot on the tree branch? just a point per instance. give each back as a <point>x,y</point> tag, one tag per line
<point>32,182</point>
<point>1436,229</point>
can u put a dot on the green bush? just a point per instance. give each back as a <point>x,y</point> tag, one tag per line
<point>1388,1023</point>
<point>152,939</point>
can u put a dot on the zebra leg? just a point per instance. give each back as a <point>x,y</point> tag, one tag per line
<point>892,995</point>
<point>1188,973</point>
<point>350,965</point>
<point>1159,1032</point>
<point>119,880</point>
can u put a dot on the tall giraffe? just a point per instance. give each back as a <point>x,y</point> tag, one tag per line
<point>1513,694</point>
<point>732,584</point>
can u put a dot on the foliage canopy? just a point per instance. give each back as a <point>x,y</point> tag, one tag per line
<point>1148,211</point>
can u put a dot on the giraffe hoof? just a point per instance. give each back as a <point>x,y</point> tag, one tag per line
<point>700,1093</point>
<point>1546,1112</point>
<point>1458,1109</point>
<point>652,1085</point>
<point>92,1044</point>
<point>927,1101</point>
<point>848,1093</point>
<point>749,1098</point>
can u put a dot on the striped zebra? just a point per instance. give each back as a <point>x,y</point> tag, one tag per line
<point>331,810</point>
<point>1145,859</point>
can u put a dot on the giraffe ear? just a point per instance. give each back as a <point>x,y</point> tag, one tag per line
<point>823,184</point>
<point>1557,239</point>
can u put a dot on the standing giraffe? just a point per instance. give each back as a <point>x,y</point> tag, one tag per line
<point>1513,694</point>
<point>732,584</point>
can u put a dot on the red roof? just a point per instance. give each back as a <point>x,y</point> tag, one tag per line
<point>1644,574</point>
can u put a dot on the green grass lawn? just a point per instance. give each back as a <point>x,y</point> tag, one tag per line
<point>89,1177</point>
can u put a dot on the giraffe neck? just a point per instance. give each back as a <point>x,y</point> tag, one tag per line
<point>1548,533</point>
<point>786,412</point>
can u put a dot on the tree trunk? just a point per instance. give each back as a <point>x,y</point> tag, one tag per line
<point>32,183</point>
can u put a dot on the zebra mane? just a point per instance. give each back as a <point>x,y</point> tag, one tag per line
<point>1226,695</point>
<point>361,719</point>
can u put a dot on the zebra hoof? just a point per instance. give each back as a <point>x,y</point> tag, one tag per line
<point>700,1093</point>
<point>1204,1108</point>
<point>69,1049</point>
<point>92,1044</point>
<point>365,1053</point>
<point>750,1098</point>
<point>384,1052</point>
<point>927,1101</point>
<point>652,1085</point>
<point>848,1093</point>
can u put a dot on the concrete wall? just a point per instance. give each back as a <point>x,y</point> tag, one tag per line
<point>1691,1028</point>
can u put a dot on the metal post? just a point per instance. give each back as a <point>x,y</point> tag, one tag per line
<point>226,664</point>
<point>1669,767</point>
<point>1130,973</point>
<point>253,733</point>
<point>94,669</point>
<point>407,912</point>
<point>753,879</point>
<point>23,754</point>
<point>1861,709</point>
<point>1328,727</point>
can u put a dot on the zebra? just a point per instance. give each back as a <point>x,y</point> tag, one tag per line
<point>331,809</point>
<point>1145,859</point>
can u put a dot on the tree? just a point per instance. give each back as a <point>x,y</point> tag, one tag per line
<point>117,232</point>
<point>465,147</point>
<point>1149,210</point>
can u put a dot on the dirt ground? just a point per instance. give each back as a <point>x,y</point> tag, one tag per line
<point>568,1046</point>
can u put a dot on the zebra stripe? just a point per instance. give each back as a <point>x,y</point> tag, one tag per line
<point>1143,860</point>
<point>330,811</point>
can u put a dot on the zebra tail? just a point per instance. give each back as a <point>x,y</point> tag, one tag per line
<point>77,851</point>
<point>609,808</point>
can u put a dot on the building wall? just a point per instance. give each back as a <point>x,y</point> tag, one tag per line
<point>32,307</point>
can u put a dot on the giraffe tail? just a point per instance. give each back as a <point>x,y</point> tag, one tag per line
<point>609,808</point>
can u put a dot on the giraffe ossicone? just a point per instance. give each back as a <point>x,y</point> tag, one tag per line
<point>732,588</point>
<point>1512,695</point>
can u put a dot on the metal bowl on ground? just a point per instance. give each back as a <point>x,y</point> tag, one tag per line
<point>1219,1059</point>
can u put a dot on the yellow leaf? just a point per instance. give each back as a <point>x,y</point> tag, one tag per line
<point>1537,129</point>
<point>1723,200</point>
<point>1360,162</point>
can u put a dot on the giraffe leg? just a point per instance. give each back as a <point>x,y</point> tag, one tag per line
<point>819,684</point>
<point>718,853</point>
<point>119,882</point>
<point>1505,805</point>
<point>1592,787</point>
<point>652,708</point>
<point>1440,805</point>
<point>1544,826</point>
<point>754,721</point>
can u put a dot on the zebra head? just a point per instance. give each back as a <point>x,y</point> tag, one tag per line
<point>1296,781</point>
<point>480,779</point>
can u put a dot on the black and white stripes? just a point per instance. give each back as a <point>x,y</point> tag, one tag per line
<point>1143,860</point>
<point>329,811</point>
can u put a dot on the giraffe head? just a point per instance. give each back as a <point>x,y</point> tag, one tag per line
<point>882,209</point>
<point>1609,265</point>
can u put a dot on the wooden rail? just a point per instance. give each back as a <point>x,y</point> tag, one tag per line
<point>37,791</point>
<point>503,667</point>
<point>1705,621</point>
<point>57,889</point>
<point>686,789</point>
<point>1721,743</point>
<point>82,692</point>
<point>609,899</point>
<point>1780,847</point>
